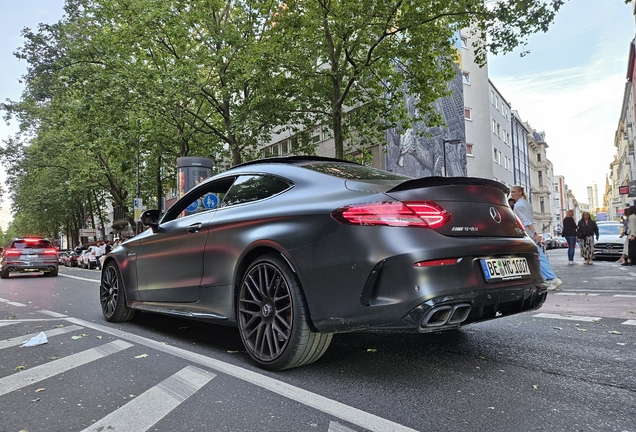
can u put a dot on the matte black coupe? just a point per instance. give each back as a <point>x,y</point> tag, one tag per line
<point>292,250</point>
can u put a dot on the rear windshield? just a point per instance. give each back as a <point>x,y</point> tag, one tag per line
<point>353,172</point>
<point>31,244</point>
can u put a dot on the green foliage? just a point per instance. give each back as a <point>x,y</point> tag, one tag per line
<point>120,86</point>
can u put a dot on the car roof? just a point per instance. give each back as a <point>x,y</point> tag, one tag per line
<point>292,160</point>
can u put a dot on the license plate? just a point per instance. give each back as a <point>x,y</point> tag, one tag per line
<point>504,268</point>
<point>609,251</point>
<point>32,257</point>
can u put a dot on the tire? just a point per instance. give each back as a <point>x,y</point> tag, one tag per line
<point>273,318</point>
<point>53,273</point>
<point>112,295</point>
<point>4,274</point>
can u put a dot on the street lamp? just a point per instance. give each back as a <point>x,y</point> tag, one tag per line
<point>451,141</point>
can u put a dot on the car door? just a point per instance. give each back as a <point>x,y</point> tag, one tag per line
<point>170,260</point>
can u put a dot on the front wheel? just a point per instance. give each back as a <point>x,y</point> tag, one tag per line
<point>273,318</point>
<point>112,295</point>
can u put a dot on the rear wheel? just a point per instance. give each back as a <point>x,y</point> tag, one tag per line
<point>112,295</point>
<point>273,318</point>
<point>4,274</point>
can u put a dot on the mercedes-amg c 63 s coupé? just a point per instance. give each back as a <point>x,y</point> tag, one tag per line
<point>293,250</point>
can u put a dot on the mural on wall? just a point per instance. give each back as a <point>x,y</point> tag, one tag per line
<point>424,151</point>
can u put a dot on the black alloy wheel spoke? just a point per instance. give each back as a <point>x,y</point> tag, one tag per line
<point>265,334</point>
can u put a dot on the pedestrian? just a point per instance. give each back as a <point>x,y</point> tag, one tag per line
<point>586,230</point>
<point>524,212</point>
<point>625,233</point>
<point>569,232</point>
<point>98,253</point>
<point>511,203</point>
<point>631,223</point>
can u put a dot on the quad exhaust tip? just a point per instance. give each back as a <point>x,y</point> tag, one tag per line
<point>445,315</point>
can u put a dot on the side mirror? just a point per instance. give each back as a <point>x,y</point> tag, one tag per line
<point>150,218</point>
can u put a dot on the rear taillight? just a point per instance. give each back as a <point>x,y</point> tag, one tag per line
<point>520,224</point>
<point>12,252</point>
<point>49,252</point>
<point>427,214</point>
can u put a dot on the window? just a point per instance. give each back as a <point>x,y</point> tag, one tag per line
<point>542,204</point>
<point>294,143</point>
<point>284,147</point>
<point>540,179</point>
<point>199,199</point>
<point>315,139</point>
<point>326,133</point>
<point>497,156</point>
<point>469,149</point>
<point>498,130</point>
<point>464,42</point>
<point>468,114</point>
<point>492,97</point>
<point>497,102</point>
<point>494,127</point>
<point>253,188</point>
<point>466,77</point>
<point>538,157</point>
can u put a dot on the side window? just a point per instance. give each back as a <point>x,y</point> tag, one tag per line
<point>200,199</point>
<point>254,188</point>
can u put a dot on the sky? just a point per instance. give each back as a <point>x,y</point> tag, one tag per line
<point>570,85</point>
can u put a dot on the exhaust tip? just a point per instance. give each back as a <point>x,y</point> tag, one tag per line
<point>445,315</point>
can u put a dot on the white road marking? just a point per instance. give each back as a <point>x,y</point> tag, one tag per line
<point>154,404</point>
<point>42,372</point>
<point>576,294</point>
<point>337,409</point>
<point>624,295</point>
<point>567,317</point>
<point>79,278</point>
<point>337,427</point>
<point>53,314</point>
<point>49,333</point>
<point>630,322</point>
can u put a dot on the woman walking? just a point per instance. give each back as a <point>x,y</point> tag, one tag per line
<point>569,232</point>
<point>631,222</point>
<point>625,233</point>
<point>586,231</point>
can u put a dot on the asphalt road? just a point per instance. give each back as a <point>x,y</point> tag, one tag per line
<point>566,367</point>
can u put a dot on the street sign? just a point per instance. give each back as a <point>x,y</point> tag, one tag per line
<point>138,209</point>
<point>87,232</point>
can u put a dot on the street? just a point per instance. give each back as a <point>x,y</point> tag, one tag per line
<point>566,367</point>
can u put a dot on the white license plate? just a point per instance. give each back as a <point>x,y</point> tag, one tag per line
<point>32,257</point>
<point>505,268</point>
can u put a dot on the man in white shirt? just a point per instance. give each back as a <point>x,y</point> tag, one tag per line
<point>523,210</point>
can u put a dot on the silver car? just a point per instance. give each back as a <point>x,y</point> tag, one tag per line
<point>29,255</point>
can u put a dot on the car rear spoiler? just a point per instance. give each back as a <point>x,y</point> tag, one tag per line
<point>449,181</point>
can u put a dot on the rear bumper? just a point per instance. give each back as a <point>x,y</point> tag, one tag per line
<point>19,267</point>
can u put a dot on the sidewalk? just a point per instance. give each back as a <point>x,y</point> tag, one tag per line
<point>605,289</point>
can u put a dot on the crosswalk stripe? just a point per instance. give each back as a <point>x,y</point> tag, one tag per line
<point>623,295</point>
<point>154,404</point>
<point>42,372</point>
<point>567,317</point>
<point>3,300</point>
<point>630,322</point>
<point>576,294</point>
<point>49,333</point>
<point>337,427</point>
<point>53,314</point>
<point>347,413</point>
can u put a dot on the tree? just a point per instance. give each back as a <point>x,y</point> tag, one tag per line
<point>361,56</point>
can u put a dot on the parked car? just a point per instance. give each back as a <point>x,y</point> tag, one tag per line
<point>561,242</point>
<point>609,243</point>
<point>550,242</point>
<point>70,259</point>
<point>291,250</point>
<point>29,254</point>
<point>60,257</point>
<point>87,258</point>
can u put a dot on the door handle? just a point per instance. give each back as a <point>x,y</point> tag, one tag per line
<point>194,228</point>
